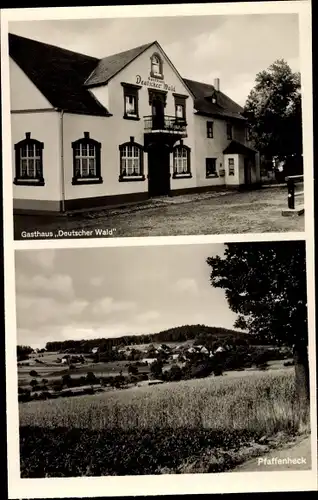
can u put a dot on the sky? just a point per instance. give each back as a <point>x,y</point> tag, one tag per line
<point>88,293</point>
<point>233,48</point>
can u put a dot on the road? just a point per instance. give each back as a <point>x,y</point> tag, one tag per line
<point>209,213</point>
<point>295,451</point>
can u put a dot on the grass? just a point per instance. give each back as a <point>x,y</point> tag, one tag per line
<point>149,430</point>
<point>243,212</point>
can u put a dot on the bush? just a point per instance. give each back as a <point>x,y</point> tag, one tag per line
<point>67,380</point>
<point>67,394</point>
<point>33,373</point>
<point>198,370</point>
<point>289,363</point>
<point>44,395</point>
<point>217,371</point>
<point>91,378</point>
<point>133,369</point>
<point>174,374</point>
<point>263,366</point>
<point>88,390</point>
<point>33,383</point>
<point>156,369</point>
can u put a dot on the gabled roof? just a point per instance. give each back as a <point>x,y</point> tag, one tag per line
<point>64,78</point>
<point>58,73</point>
<point>109,66</point>
<point>236,147</point>
<point>224,106</point>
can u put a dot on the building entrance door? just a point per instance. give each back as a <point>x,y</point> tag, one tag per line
<point>158,114</point>
<point>158,170</point>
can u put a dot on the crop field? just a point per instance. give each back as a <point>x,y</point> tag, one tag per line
<point>51,370</point>
<point>199,425</point>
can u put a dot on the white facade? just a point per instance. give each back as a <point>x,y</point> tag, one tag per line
<point>33,117</point>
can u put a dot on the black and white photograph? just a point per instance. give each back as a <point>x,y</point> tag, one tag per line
<point>159,249</point>
<point>158,126</point>
<point>174,359</point>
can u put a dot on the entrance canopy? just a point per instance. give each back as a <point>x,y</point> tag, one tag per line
<point>237,148</point>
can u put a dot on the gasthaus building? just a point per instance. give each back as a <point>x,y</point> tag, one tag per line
<point>90,132</point>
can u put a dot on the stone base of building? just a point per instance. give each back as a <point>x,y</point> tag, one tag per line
<point>36,207</point>
<point>45,207</point>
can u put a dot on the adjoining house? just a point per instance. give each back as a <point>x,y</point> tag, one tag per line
<point>149,361</point>
<point>90,132</point>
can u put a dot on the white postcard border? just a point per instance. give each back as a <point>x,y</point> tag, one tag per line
<point>168,484</point>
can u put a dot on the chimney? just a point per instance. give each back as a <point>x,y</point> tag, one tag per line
<point>217,84</point>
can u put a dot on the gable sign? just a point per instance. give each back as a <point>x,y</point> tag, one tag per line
<point>154,83</point>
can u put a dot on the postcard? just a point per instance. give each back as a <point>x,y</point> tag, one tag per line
<point>159,250</point>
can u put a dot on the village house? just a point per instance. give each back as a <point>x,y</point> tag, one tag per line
<point>149,361</point>
<point>90,132</point>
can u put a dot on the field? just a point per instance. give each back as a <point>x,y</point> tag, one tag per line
<point>201,425</point>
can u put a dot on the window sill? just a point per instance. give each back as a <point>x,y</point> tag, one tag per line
<point>232,174</point>
<point>182,176</point>
<point>131,178</point>
<point>89,180</point>
<point>27,182</point>
<point>128,117</point>
<point>156,75</point>
<point>211,176</point>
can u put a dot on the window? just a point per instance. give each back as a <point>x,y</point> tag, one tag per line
<point>229,130</point>
<point>130,105</point>
<point>231,166</point>
<point>247,134</point>
<point>156,66</point>
<point>131,161</point>
<point>131,111</point>
<point>210,167</point>
<point>181,161</point>
<point>29,162</point>
<point>180,106</point>
<point>209,130</point>
<point>180,111</point>
<point>86,161</point>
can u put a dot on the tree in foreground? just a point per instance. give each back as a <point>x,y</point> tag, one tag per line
<point>273,109</point>
<point>265,284</point>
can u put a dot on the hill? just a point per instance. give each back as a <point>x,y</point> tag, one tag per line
<point>177,334</point>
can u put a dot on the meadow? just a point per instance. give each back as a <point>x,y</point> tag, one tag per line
<point>197,425</point>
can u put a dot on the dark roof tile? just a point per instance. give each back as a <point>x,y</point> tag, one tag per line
<point>224,106</point>
<point>109,66</point>
<point>64,78</point>
<point>58,73</point>
<point>236,147</point>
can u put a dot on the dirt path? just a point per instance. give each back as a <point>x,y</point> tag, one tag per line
<point>209,213</point>
<point>292,452</point>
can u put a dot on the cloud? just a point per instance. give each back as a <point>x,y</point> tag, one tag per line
<point>108,305</point>
<point>42,258</point>
<point>96,280</point>
<point>43,310</point>
<point>60,285</point>
<point>187,285</point>
<point>147,317</point>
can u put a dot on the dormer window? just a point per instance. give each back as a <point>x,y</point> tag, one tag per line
<point>156,66</point>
